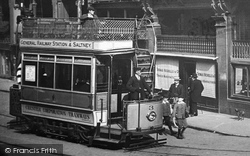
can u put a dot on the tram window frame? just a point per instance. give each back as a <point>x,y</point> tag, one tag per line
<point>241,79</point>
<point>46,74</point>
<point>82,80</point>
<point>29,77</point>
<point>63,79</point>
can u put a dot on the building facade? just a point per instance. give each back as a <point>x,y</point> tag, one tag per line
<point>5,48</point>
<point>207,37</point>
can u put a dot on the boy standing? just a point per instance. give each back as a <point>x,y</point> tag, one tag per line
<point>180,108</point>
<point>167,114</point>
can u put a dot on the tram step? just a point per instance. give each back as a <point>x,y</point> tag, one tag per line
<point>107,140</point>
<point>112,130</point>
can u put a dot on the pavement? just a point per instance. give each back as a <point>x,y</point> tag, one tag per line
<point>206,121</point>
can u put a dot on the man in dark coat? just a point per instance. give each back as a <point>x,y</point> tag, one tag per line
<point>195,93</point>
<point>176,90</point>
<point>90,15</point>
<point>137,85</point>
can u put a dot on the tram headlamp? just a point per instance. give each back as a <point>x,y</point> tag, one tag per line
<point>151,116</point>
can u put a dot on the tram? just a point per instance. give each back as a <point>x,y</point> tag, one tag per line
<point>73,81</point>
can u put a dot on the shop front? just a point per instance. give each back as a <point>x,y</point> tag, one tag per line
<point>168,67</point>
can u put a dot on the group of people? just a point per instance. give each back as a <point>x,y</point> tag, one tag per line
<point>175,109</point>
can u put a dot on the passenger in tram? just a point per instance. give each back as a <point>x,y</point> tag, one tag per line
<point>90,24</point>
<point>137,85</point>
<point>82,85</point>
<point>90,15</point>
<point>176,91</point>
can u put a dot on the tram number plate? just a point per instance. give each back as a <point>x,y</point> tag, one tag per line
<point>151,107</point>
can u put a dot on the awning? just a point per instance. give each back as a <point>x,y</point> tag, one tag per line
<point>115,52</point>
<point>185,56</point>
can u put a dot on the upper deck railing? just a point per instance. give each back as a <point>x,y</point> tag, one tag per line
<point>73,28</point>
<point>241,50</point>
<point>187,45</point>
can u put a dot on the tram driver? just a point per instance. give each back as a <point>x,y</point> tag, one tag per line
<point>137,86</point>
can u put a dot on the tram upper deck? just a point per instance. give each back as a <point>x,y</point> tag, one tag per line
<point>74,28</point>
<point>74,33</point>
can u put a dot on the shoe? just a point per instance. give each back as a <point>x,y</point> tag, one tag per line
<point>180,137</point>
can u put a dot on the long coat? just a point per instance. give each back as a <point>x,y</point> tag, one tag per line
<point>196,90</point>
<point>176,91</point>
<point>136,86</point>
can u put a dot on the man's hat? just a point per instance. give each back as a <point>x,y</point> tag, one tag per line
<point>90,8</point>
<point>180,99</point>
<point>194,75</point>
<point>177,79</point>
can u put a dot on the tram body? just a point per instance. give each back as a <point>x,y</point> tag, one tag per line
<point>74,88</point>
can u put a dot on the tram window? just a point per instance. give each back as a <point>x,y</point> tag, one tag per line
<point>121,70</point>
<point>63,76</point>
<point>102,79</point>
<point>46,74</point>
<point>29,73</point>
<point>82,78</point>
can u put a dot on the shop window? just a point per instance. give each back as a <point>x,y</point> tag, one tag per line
<point>63,76</point>
<point>46,75</point>
<point>29,73</point>
<point>242,81</point>
<point>82,78</point>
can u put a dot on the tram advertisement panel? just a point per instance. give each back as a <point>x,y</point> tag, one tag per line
<point>206,73</point>
<point>166,70</point>
<point>61,114</point>
<point>74,44</point>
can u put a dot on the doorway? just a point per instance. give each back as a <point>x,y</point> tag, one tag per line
<point>187,68</point>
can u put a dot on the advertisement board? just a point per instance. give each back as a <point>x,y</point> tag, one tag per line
<point>207,74</point>
<point>165,71</point>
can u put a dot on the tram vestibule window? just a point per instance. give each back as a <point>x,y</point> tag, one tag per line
<point>102,79</point>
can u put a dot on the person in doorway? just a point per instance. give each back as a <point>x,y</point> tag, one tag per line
<point>137,85</point>
<point>176,90</point>
<point>179,115</point>
<point>195,94</point>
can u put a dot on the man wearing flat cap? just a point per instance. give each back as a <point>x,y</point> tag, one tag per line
<point>137,85</point>
<point>195,94</point>
<point>90,15</point>
<point>176,90</point>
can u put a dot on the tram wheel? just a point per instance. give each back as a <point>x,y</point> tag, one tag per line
<point>83,133</point>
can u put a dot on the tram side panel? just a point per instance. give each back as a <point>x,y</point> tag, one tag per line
<point>144,115</point>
